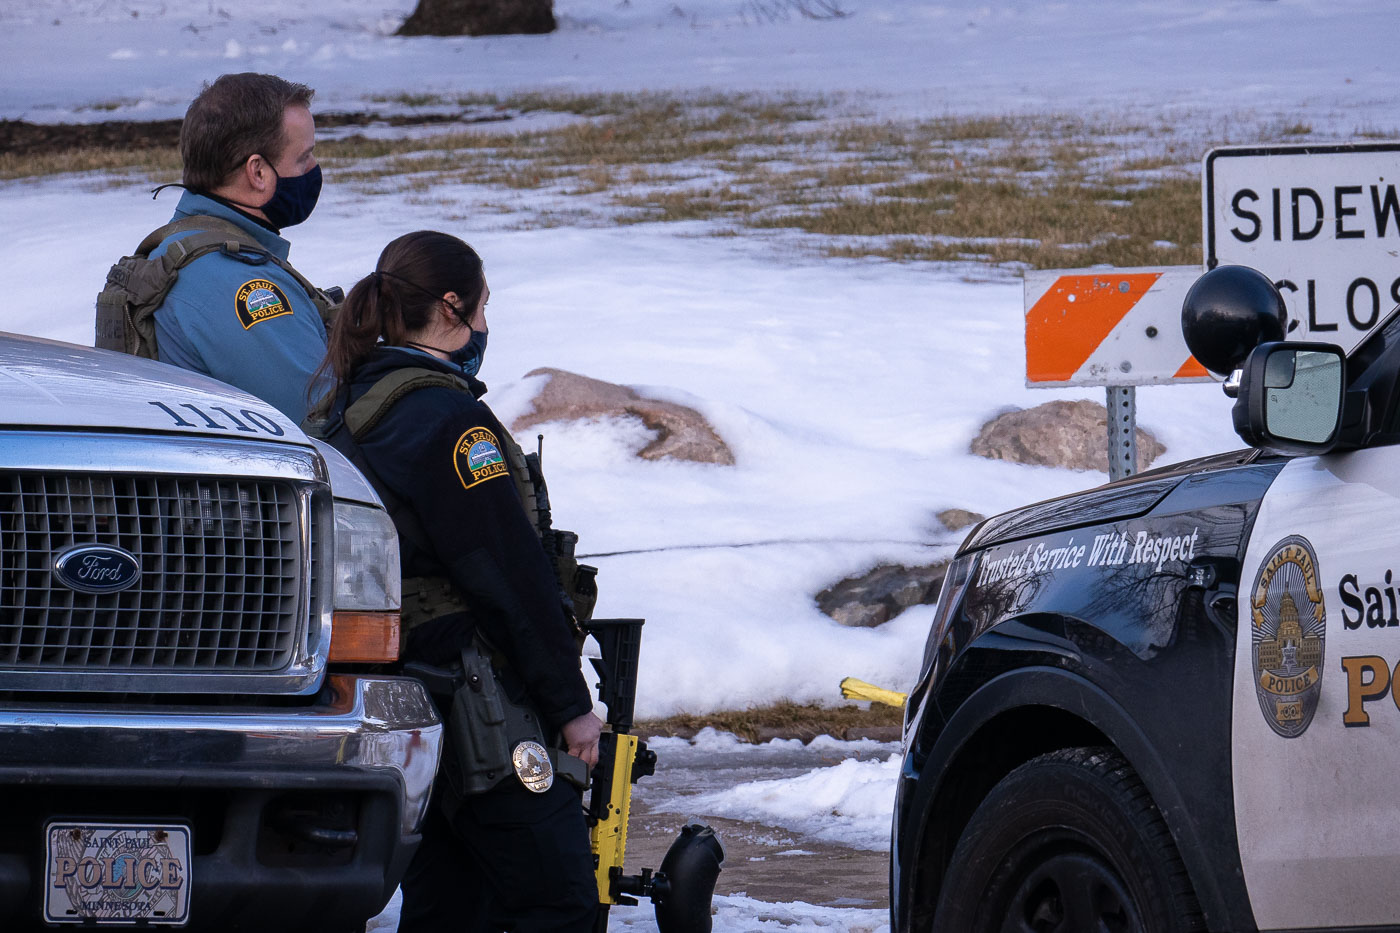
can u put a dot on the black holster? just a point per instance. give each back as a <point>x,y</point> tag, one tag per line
<point>484,725</point>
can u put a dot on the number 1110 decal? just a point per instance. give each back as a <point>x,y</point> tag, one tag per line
<point>218,418</point>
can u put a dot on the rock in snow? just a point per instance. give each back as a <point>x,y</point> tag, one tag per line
<point>958,519</point>
<point>480,18</point>
<point>1060,433</point>
<point>876,596</point>
<point>681,433</point>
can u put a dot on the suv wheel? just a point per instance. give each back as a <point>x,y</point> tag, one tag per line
<point>1067,843</point>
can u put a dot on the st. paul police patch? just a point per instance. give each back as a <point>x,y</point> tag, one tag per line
<point>478,457</point>
<point>259,300</point>
<point>1289,626</point>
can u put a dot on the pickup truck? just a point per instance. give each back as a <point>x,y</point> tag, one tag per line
<point>1172,703</point>
<point>195,604</point>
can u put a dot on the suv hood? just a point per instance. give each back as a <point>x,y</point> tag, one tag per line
<point>1126,498</point>
<point>48,384</point>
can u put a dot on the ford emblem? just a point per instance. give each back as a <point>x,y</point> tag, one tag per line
<point>97,568</point>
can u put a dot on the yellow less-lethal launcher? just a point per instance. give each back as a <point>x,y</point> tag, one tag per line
<point>682,888</point>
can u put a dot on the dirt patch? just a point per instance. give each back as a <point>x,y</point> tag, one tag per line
<point>768,864</point>
<point>20,137</point>
<point>958,519</point>
<point>786,721</point>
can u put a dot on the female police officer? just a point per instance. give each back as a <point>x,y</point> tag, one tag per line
<point>404,352</point>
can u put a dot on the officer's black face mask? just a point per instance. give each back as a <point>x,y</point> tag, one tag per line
<point>468,357</point>
<point>293,199</point>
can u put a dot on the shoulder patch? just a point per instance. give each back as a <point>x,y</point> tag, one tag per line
<point>259,300</point>
<point>477,457</point>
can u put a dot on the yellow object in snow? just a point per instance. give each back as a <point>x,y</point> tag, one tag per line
<point>852,689</point>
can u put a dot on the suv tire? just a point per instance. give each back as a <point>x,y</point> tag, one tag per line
<point>1068,842</point>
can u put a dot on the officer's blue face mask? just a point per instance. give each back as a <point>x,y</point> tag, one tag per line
<point>293,199</point>
<point>469,356</point>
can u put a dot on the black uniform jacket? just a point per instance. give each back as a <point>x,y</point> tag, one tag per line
<point>439,450</point>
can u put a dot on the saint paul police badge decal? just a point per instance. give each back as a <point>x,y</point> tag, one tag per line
<point>1288,629</point>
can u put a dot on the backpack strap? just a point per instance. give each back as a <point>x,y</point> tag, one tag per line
<point>137,285</point>
<point>423,598</point>
<point>362,416</point>
<point>371,407</point>
<point>427,598</point>
<point>211,233</point>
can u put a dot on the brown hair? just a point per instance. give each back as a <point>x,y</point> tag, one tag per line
<point>398,299</point>
<point>235,117</point>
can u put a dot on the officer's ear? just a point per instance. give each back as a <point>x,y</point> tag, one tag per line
<point>451,309</point>
<point>259,174</point>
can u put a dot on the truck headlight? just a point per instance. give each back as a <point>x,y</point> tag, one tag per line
<point>368,588</point>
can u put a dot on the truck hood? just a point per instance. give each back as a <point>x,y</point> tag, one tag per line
<point>48,384</point>
<point>45,384</point>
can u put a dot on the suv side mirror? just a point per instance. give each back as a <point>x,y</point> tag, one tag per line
<point>1290,397</point>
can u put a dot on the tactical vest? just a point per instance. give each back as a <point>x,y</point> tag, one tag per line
<point>137,285</point>
<point>426,598</point>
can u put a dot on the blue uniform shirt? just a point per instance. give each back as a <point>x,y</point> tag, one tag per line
<point>251,326</point>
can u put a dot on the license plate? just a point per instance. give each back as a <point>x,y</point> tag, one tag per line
<point>117,873</point>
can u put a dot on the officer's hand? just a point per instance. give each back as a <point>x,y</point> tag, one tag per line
<point>581,737</point>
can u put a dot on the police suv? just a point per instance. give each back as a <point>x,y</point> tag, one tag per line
<point>192,594</point>
<point>1172,703</point>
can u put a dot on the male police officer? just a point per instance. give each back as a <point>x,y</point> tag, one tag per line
<point>245,316</point>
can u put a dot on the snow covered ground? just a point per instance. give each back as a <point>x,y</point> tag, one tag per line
<point>849,390</point>
<point>740,914</point>
<point>847,803</point>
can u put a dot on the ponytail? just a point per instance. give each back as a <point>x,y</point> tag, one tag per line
<point>367,312</point>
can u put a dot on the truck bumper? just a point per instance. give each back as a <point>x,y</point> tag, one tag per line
<point>301,816</point>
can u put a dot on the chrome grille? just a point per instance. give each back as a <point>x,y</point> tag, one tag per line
<point>220,573</point>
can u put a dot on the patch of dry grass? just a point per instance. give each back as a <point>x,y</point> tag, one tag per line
<point>1042,191</point>
<point>161,164</point>
<point>1059,224</point>
<point>804,720</point>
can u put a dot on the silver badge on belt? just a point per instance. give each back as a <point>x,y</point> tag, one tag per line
<point>532,766</point>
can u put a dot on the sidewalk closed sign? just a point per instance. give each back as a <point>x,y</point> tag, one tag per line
<point>1322,221</point>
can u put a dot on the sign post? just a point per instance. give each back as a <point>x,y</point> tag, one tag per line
<point>1122,431</point>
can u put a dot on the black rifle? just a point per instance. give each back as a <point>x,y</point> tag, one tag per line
<point>578,587</point>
